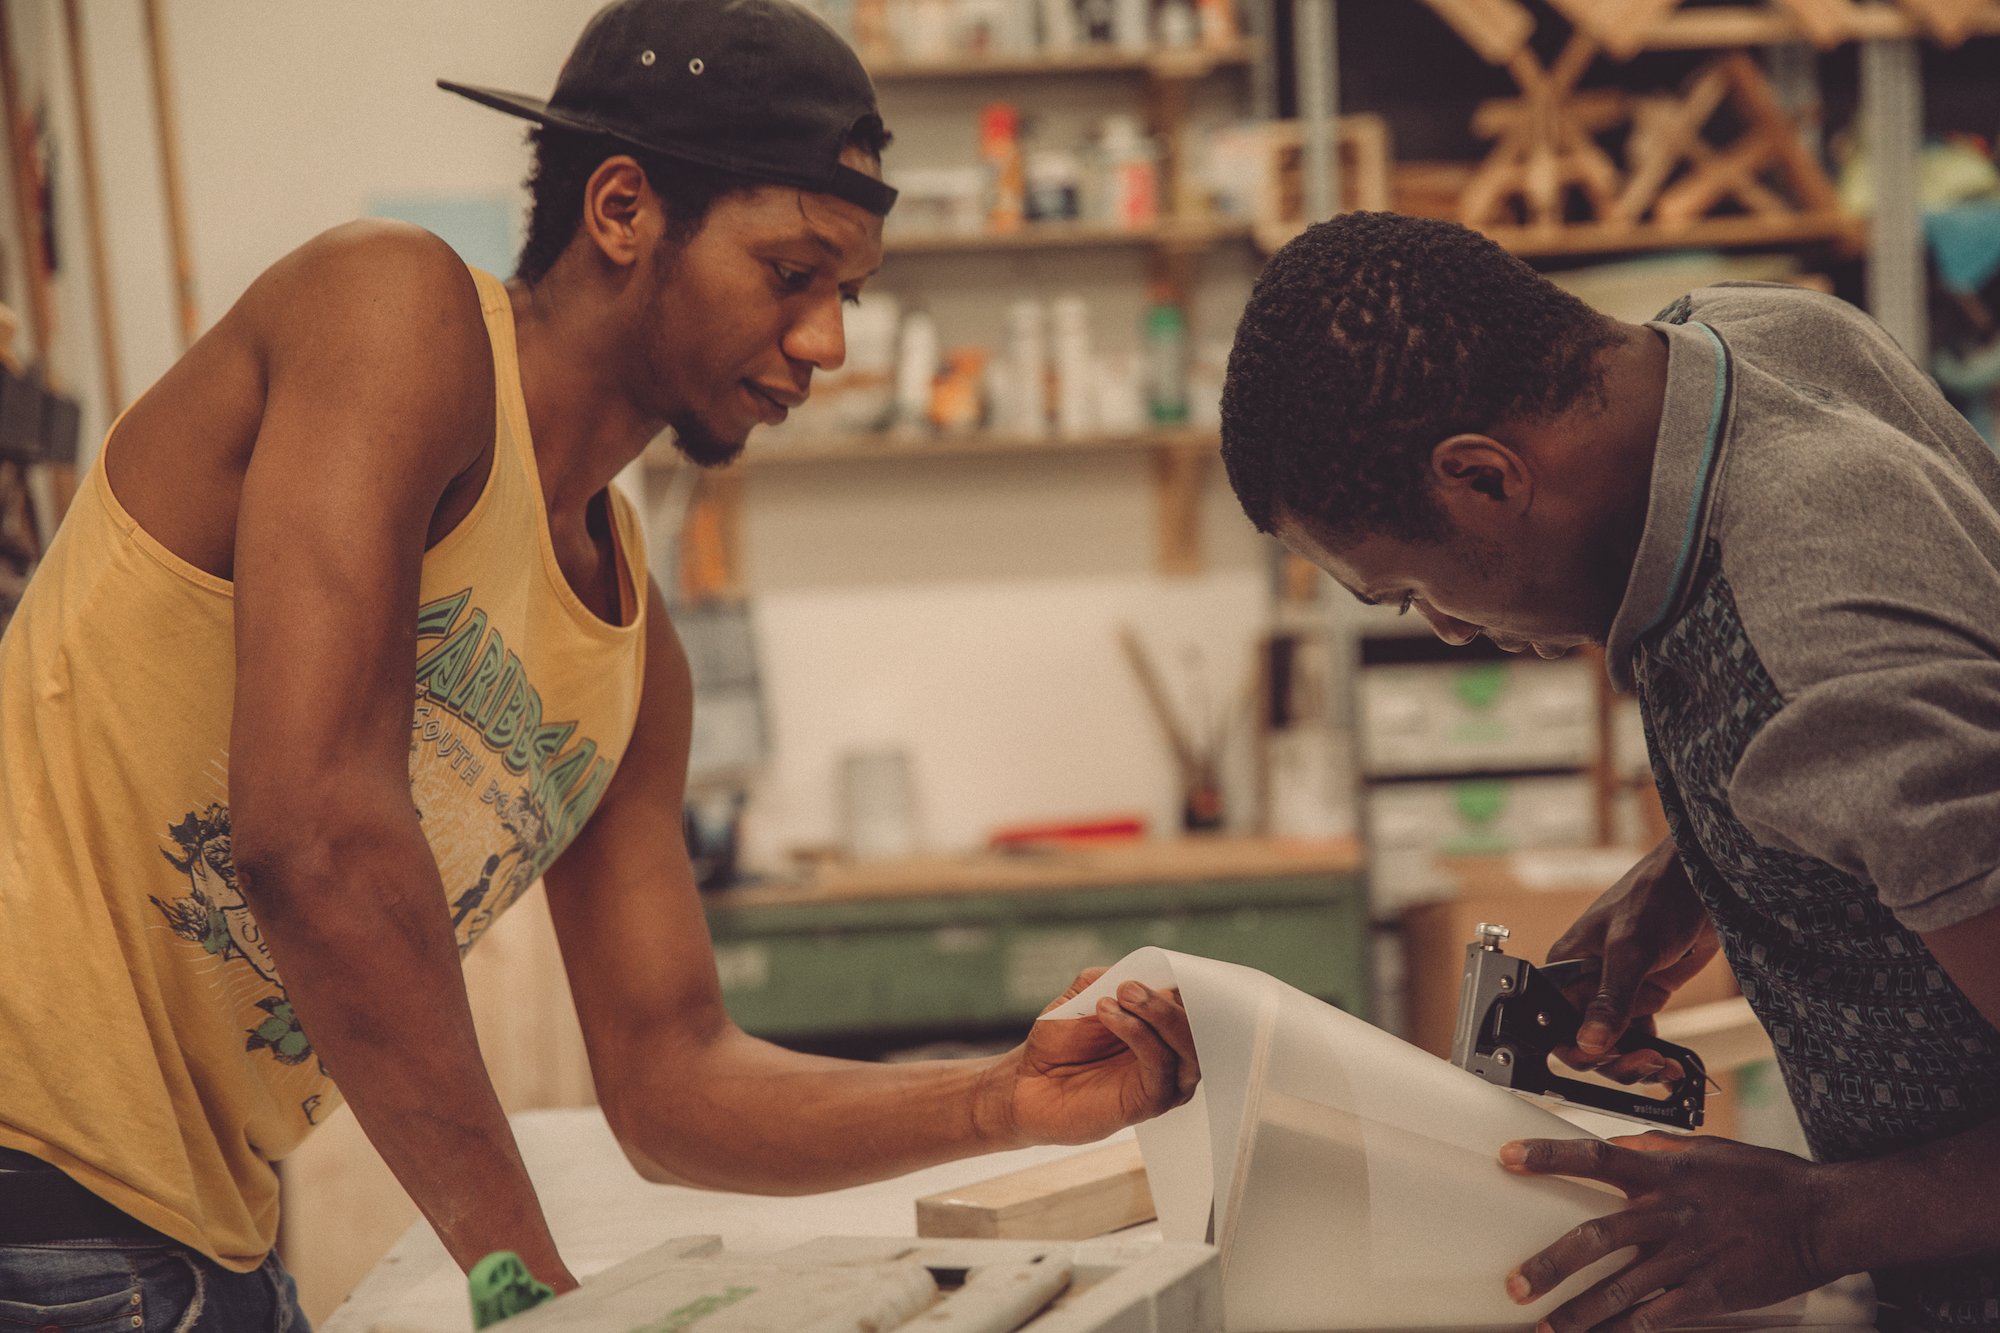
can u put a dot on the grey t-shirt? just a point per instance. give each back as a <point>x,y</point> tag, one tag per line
<point>1858,521</point>
<point>1813,627</point>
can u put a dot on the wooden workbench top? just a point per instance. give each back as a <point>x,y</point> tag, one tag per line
<point>1161,861</point>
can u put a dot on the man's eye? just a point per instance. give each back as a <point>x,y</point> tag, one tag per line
<point>850,298</point>
<point>1409,600</point>
<point>792,279</point>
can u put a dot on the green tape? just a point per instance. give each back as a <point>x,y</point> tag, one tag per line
<point>695,1311</point>
<point>501,1285</point>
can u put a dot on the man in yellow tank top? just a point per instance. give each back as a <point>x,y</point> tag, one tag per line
<point>346,641</point>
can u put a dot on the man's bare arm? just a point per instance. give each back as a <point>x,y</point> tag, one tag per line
<point>695,1100</point>
<point>379,386</point>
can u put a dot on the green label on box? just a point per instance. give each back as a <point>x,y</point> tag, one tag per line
<point>1479,687</point>
<point>1481,801</point>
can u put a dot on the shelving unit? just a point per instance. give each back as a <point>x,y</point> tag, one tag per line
<point>1174,246</point>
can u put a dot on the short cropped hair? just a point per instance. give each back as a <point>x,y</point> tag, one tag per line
<point>1371,338</point>
<point>564,161</point>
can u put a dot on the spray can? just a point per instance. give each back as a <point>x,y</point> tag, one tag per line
<point>1000,155</point>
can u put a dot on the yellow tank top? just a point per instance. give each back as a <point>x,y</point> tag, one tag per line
<point>146,1045</point>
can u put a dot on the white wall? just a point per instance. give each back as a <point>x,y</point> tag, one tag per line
<point>966,611</point>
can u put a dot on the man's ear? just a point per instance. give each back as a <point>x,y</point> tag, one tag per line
<point>1479,478</point>
<point>616,209</point>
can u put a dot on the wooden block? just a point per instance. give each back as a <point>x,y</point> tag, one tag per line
<point>1087,1195</point>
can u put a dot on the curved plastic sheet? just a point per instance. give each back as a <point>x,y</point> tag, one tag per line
<point>1350,1179</point>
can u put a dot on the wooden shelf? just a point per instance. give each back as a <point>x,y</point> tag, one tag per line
<point>1845,233</point>
<point>711,562</point>
<point>885,449</point>
<point>1166,235</point>
<point>1189,63</point>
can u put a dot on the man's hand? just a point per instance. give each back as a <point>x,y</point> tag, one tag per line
<point>1650,934</point>
<point>1719,1226</point>
<point>1077,1080</point>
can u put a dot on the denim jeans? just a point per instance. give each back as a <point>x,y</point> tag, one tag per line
<point>98,1286</point>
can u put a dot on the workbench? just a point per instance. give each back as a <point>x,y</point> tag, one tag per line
<point>602,1213</point>
<point>862,957</point>
<point>950,945</point>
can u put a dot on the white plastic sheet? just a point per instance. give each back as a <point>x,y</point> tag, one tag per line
<point>1352,1180</point>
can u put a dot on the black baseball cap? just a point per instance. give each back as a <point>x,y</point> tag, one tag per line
<point>764,88</point>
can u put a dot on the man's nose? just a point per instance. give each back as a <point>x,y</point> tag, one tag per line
<point>819,338</point>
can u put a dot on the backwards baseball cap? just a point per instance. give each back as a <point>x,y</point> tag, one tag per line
<point>762,88</point>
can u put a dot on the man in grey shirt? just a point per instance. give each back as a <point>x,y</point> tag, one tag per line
<point>1789,544</point>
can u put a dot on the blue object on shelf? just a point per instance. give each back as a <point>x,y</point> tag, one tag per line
<point>1965,242</point>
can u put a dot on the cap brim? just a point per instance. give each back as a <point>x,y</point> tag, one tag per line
<point>528,108</point>
<point>845,182</point>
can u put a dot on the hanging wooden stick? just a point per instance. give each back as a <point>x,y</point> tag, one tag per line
<point>93,210</point>
<point>27,196</point>
<point>170,174</point>
<point>1186,758</point>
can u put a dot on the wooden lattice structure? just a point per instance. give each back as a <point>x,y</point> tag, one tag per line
<point>1720,162</point>
<point>1500,29</point>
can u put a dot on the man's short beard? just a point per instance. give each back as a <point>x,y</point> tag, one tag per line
<point>703,446</point>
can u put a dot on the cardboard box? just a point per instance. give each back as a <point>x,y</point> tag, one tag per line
<point>1536,895</point>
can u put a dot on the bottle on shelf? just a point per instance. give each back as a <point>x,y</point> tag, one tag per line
<point>957,402</point>
<point>1131,192</point>
<point>1180,26</point>
<point>1000,155</point>
<point>1027,414</point>
<point>916,375</point>
<point>1132,25</point>
<point>1220,28</point>
<point>1054,185</point>
<point>1072,361</point>
<point>1166,361</point>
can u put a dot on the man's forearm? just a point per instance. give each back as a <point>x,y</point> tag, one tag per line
<point>365,947</point>
<point>742,1114</point>
<point>1929,1203</point>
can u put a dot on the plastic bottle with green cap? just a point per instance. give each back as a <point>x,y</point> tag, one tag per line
<point>1166,360</point>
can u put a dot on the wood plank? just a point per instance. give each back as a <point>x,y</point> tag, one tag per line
<point>1165,861</point>
<point>1497,29</point>
<point>1703,29</point>
<point>1087,1195</point>
<point>1606,237</point>
<point>1946,22</point>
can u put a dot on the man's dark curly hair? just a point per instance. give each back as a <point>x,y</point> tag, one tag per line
<point>565,160</point>
<point>1371,338</point>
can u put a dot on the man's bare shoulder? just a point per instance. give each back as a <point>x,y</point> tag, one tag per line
<point>374,277</point>
<point>385,311</point>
